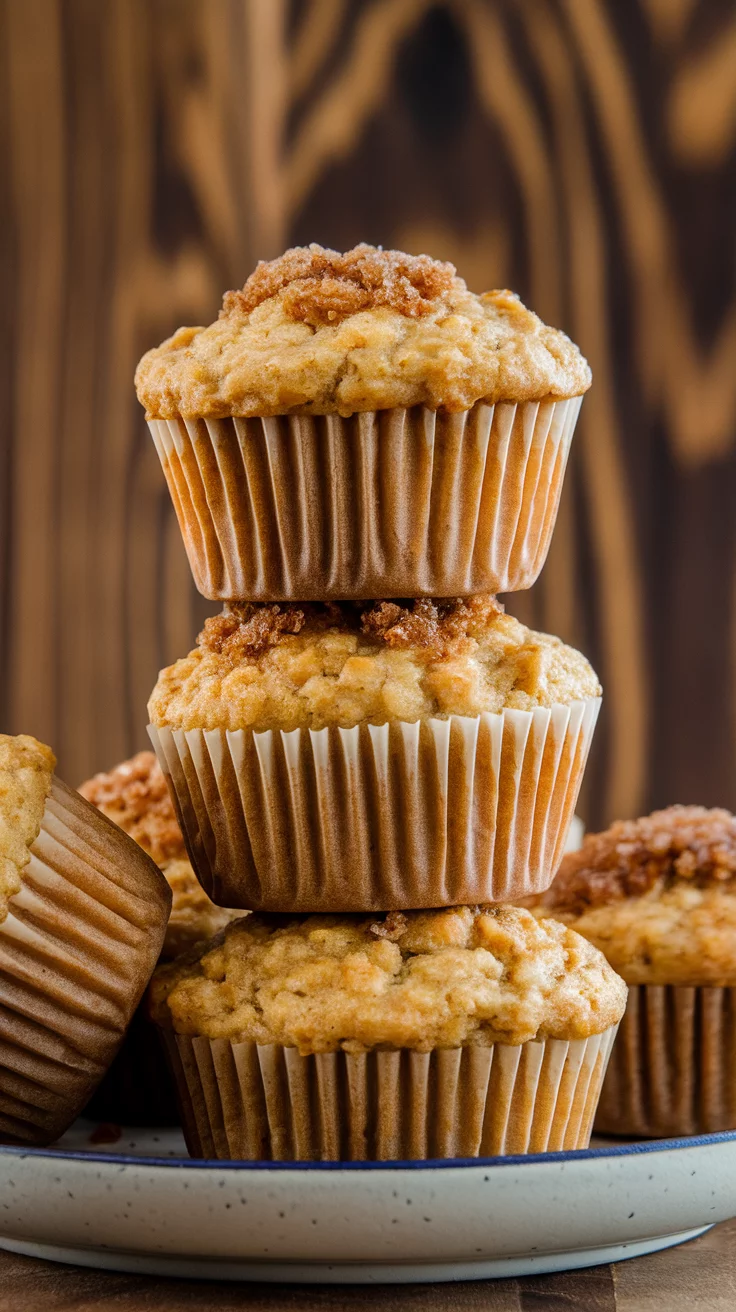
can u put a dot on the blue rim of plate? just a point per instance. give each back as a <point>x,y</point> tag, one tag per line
<point>639,1148</point>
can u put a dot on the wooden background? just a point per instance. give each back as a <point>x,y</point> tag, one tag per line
<point>582,152</point>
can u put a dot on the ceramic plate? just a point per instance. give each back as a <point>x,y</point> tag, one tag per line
<point>141,1205</point>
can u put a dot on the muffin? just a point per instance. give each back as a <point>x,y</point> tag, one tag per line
<point>389,756</point>
<point>83,913</point>
<point>658,897</point>
<point>138,1088</point>
<point>453,1033</point>
<point>362,425</point>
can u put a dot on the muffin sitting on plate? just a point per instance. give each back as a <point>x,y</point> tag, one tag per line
<point>374,756</point>
<point>363,425</point>
<point>453,1033</point>
<point>82,918</point>
<point>658,897</point>
<point>138,1087</point>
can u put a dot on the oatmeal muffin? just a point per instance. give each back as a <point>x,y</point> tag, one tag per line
<point>82,919</point>
<point>421,430</point>
<point>138,1088</point>
<point>374,757</point>
<point>475,1030</point>
<point>658,897</point>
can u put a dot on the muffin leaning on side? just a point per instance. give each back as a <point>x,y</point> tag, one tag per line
<point>658,897</point>
<point>82,918</point>
<point>138,1089</point>
<point>393,756</point>
<point>362,425</point>
<point>433,1034</point>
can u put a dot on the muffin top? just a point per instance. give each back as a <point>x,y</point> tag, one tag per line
<point>291,666</point>
<point>26,771</point>
<point>468,976</point>
<point>134,795</point>
<point>657,896</point>
<point>318,332</point>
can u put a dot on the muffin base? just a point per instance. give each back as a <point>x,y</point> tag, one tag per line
<point>377,818</point>
<point>252,1102</point>
<point>389,503</point>
<point>673,1070</point>
<point>77,948</point>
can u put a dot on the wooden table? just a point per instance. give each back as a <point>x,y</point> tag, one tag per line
<point>701,1275</point>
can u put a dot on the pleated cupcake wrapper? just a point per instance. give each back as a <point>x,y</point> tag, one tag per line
<point>378,818</point>
<point>77,948</point>
<point>390,503</point>
<point>673,1070</point>
<point>260,1102</point>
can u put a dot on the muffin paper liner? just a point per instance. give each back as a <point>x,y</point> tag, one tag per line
<point>264,1102</point>
<point>77,949</point>
<point>673,1070</point>
<point>378,818</point>
<point>389,503</point>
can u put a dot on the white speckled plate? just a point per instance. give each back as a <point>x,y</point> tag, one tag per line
<point>141,1205</point>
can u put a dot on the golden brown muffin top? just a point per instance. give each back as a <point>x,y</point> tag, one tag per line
<point>26,772</point>
<point>320,332</point>
<point>287,667</point>
<point>657,895</point>
<point>635,856</point>
<point>135,796</point>
<point>420,980</point>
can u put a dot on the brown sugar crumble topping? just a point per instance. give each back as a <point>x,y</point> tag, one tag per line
<point>629,859</point>
<point>392,927</point>
<point>135,796</point>
<point>245,630</point>
<point>322,286</point>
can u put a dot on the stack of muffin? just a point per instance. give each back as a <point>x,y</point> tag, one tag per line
<point>362,454</point>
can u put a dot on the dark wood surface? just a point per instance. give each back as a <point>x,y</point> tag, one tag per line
<point>581,151</point>
<point>701,1274</point>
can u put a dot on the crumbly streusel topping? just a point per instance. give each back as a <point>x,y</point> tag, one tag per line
<point>26,773</point>
<point>287,667</point>
<point>635,856</point>
<point>317,332</point>
<point>321,286</point>
<point>435,627</point>
<point>134,795</point>
<point>419,980</point>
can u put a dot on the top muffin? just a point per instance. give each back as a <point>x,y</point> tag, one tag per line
<point>307,666</point>
<point>657,895</point>
<point>319,332</point>
<point>26,771</point>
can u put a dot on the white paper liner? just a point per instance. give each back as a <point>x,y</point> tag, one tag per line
<point>379,818</point>
<point>77,948</point>
<point>673,1071</point>
<point>243,1101</point>
<point>392,503</point>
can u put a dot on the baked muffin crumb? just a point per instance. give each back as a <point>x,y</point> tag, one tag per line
<point>420,980</point>
<point>26,773</point>
<point>657,896</point>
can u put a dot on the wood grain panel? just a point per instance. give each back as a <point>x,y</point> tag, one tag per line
<point>581,151</point>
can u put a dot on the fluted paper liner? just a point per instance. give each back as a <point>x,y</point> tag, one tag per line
<point>389,503</point>
<point>673,1070</point>
<point>77,948</point>
<point>263,1102</point>
<point>379,818</point>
